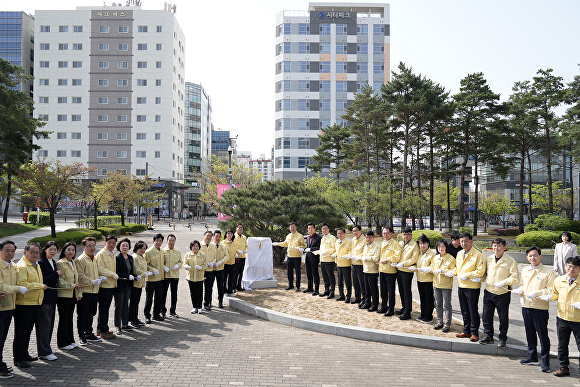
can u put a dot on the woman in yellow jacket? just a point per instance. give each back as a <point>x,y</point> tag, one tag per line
<point>68,293</point>
<point>229,264</point>
<point>139,266</point>
<point>195,264</point>
<point>443,267</point>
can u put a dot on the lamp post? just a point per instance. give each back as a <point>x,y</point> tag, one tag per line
<point>306,171</point>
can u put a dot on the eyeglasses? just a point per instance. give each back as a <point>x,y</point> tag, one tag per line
<point>33,252</point>
<point>572,267</point>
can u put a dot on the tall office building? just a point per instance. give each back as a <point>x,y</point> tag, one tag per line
<point>221,142</point>
<point>17,41</point>
<point>323,57</point>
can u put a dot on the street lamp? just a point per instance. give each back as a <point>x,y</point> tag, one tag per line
<point>230,150</point>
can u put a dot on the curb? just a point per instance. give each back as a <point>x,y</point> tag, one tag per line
<point>376,335</point>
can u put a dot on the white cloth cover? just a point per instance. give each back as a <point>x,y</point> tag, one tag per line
<point>259,261</point>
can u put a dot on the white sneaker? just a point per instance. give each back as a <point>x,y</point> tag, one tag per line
<point>194,311</point>
<point>199,311</point>
<point>74,345</point>
<point>50,357</point>
<point>67,348</point>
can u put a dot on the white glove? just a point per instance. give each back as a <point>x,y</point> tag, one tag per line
<point>427,270</point>
<point>240,252</point>
<point>210,264</point>
<point>176,266</point>
<point>156,272</point>
<point>96,282</point>
<point>412,268</point>
<point>333,255</point>
<point>274,243</point>
<point>103,278</point>
<point>23,290</point>
<point>148,273</point>
<point>298,248</point>
<point>116,277</point>
<point>218,263</point>
<point>463,277</point>
<point>307,250</point>
<point>399,265</point>
<point>499,284</point>
<point>347,257</point>
<point>323,253</point>
<point>246,251</point>
<point>187,267</point>
<point>236,255</point>
<point>476,279</point>
<point>437,271</point>
<point>531,295</point>
<point>576,305</point>
<point>393,264</point>
<point>138,278</point>
<point>449,273</point>
<point>546,298</point>
<point>359,257</point>
<point>517,291</point>
<point>131,278</point>
<point>198,267</point>
<point>166,269</point>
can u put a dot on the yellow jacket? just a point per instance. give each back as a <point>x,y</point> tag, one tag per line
<point>68,279</point>
<point>139,268</point>
<point>220,255</point>
<point>371,255</point>
<point>210,253</point>
<point>446,263</point>
<point>170,259</point>
<point>567,295</point>
<point>539,280</point>
<point>31,278</point>
<point>107,263</point>
<point>241,243</point>
<point>390,253</point>
<point>409,255</point>
<point>192,260</point>
<point>88,270</point>
<point>506,270</point>
<point>342,249</point>
<point>154,258</point>
<point>8,284</point>
<point>472,265</point>
<point>425,260</point>
<point>327,248</point>
<point>292,241</point>
<point>356,249</point>
<point>231,252</point>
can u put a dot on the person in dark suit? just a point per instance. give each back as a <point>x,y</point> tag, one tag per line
<point>45,325</point>
<point>312,260</point>
<point>125,270</point>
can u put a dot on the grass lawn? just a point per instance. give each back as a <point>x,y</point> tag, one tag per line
<point>8,229</point>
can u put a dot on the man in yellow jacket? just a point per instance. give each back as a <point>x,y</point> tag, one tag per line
<point>502,274</point>
<point>222,255</point>
<point>358,278</point>
<point>172,262</point>
<point>154,282</point>
<point>390,253</point>
<point>107,262</point>
<point>210,251</point>
<point>88,273</point>
<point>327,257</point>
<point>537,283</point>
<point>342,247</point>
<point>470,269</point>
<point>295,244</point>
<point>27,304</point>
<point>370,258</point>
<point>405,269</point>
<point>241,245</point>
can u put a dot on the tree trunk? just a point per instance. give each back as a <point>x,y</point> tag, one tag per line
<point>476,200</point>
<point>431,186</point>
<point>522,176</point>
<point>51,211</point>
<point>421,225</point>
<point>530,187</point>
<point>571,191</point>
<point>8,192</point>
<point>448,193</point>
<point>549,166</point>
<point>96,226</point>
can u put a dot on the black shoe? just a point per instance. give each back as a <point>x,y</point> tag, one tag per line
<point>438,326</point>
<point>347,300</point>
<point>221,304</point>
<point>365,306</point>
<point>148,320</point>
<point>382,310</point>
<point>298,289</point>
<point>501,344</point>
<point>405,317</point>
<point>31,359</point>
<point>400,312</point>
<point>486,340</point>
<point>372,309</point>
<point>308,290</point>
<point>445,329</point>
<point>324,294</point>
<point>330,296</point>
<point>420,319</point>
<point>92,338</point>
<point>207,307</point>
<point>341,298</point>
<point>315,293</point>
<point>22,364</point>
<point>140,323</point>
<point>158,318</point>
<point>240,289</point>
<point>389,313</point>
<point>289,288</point>
<point>163,315</point>
<point>427,320</point>
<point>174,315</point>
<point>356,301</point>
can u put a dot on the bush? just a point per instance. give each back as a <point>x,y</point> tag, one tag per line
<point>504,231</point>
<point>465,229</point>
<point>434,236</point>
<point>574,226</point>
<point>74,235</point>
<point>101,221</point>
<point>532,227</point>
<point>128,227</point>
<point>552,222</point>
<point>542,239</point>
<point>349,227</point>
<point>44,218</point>
<point>108,231</point>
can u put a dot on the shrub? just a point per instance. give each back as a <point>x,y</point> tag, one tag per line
<point>574,226</point>
<point>504,231</point>
<point>349,227</point>
<point>108,231</point>
<point>465,229</point>
<point>532,227</point>
<point>128,227</point>
<point>44,218</point>
<point>74,235</point>
<point>101,221</point>
<point>434,236</point>
<point>552,222</point>
<point>542,239</point>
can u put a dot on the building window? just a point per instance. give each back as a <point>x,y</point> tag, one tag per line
<point>44,28</point>
<point>324,29</point>
<point>42,153</point>
<point>142,46</point>
<point>122,82</point>
<point>141,136</point>
<point>60,153</point>
<point>141,65</point>
<point>102,65</point>
<point>140,172</point>
<point>122,47</point>
<point>77,65</point>
<point>341,87</point>
<point>303,85</point>
<point>62,117</point>
<point>123,65</point>
<point>284,29</point>
<point>62,99</point>
<point>341,48</point>
<point>103,100</point>
<point>340,105</point>
<point>303,67</point>
<point>158,65</point>
<point>362,67</point>
<point>77,47</point>
<point>141,82</point>
<point>43,117</point>
<point>324,86</point>
<point>102,118</point>
<point>44,82</point>
<point>159,28</point>
<point>62,64</point>
<point>61,136</point>
<point>303,161</point>
<point>121,136</point>
<point>101,171</point>
<point>341,67</point>
<point>122,100</point>
<point>44,46</point>
<point>77,28</point>
<point>303,143</point>
<point>141,100</point>
<point>362,48</point>
<point>157,154</point>
<point>121,154</point>
<point>158,82</point>
<point>75,153</point>
<point>141,118</point>
<point>158,46</point>
<point>285,162</point>
<point>303,124</point>
<point>76,135</point>
<point>77,82</point>
<point>43,100</point>
<point>104,47</point>
<point>76,117</point>
<point>378,30</point>
<point>142,29</point>
<point>303,104</point>
<point>378,48</point>
<point>123,29</point>
<point>303,29</point>
<point>62,82</point>
<point>158,136</point>
<point>62,28</point>
<point>104,29</point>
<point>157,100</point>
<point>141,154</point>
<point>44,64</point>
<point>324,105</point>
<point>102,154</point>
<point>122,118</point>
<point>325,48</point>
<point>378,68</point>
<point>362,29</point>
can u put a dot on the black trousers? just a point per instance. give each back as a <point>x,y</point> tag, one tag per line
<point>293,265</point>
<point>372,289</point>
<point>5,320</point>
<point>229,271</point>
<point>209,280</point>
<point>105,299</point>
<point>25,316</point>
<point>564,328</point>
<point>536,323</point>
<point>426,299</point>
<point>86,311</point>
<point>358,280</point>
<point>64,332</point>
<point>387,281</point>
<point>404,281</point>
<point>220,282</point>
<point>312,274</point>
<point>167,283</point>
<point>122,296</point>
<point>134,304</point>
<point>327,269</point>
<point>196,293</point>
<point>345,278</point>
<point>468,300</point>
<point>153,297</point>
<point>239,272</point>
<point>491,302</point>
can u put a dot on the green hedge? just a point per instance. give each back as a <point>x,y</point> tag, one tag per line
<point>532,227</point>
<point>434,236</point>
<point>108,231</point>
<point>128,227</point>
<point>74,235</point>
<point>44,218</point>
<point>542,239</point>
<point>503,231</point>
<point>465,229</point>
<point>552,222</point>
<point>101,221</point>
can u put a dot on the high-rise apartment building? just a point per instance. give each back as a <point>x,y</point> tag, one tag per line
<point>323,57</point>
<point>17,41</point>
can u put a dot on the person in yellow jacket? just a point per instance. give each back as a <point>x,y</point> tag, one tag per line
<point>296,245</point>
<point>139,265</point>
<point>370,259</point>
<point>327,258</point>
<point>566,291</point>
<point>425,279</point>
<point>390,253</point>
<point>208,248</point>
<point>342,246</point>
<point>172,261</point>
<point>69,293</point>
<point>502,275</point>
<point>469,269</point>
<point>405,269</point>
<point>218,267</point>
<point>358,280</point>
<point>230,262</point>
<point>27,303</point>
<point>195,264</point>
<point>443,268</point>
<point>8,291</point>
<point>154,282</point>
<point>241,243</point>
<point>88,273</point>
<point>537,283</point>
<point>107,262</point>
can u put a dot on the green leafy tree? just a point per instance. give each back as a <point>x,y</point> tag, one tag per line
<point>560,197</point>
<point>333,150</point>
<point>442,195</point>
<point>494,204</point>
